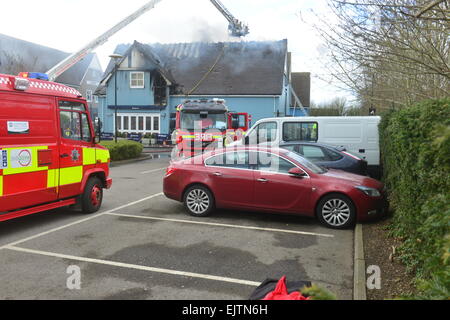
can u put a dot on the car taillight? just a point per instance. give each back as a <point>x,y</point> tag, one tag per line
<point>179,139</point>
<point>351,155</point>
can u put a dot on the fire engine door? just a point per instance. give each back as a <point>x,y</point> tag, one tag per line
<point>75,135</point>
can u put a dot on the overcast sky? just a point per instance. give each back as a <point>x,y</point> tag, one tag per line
<point>68,25</point>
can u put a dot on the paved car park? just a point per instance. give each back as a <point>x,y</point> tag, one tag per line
<point>142,245</point>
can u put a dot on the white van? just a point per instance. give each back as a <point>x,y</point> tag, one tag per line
<point>358,135</point>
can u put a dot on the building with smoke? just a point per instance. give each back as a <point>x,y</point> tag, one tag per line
<point>150,80</point>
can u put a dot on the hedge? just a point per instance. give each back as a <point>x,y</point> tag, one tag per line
<point>415,150</point>
<point>123,149</point>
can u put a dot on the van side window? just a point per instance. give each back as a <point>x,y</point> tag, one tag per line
<point>267,132</point>
<point>70,125</point>
<point>300,131</point>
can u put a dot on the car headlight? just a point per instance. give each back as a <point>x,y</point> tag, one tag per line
<point>371,192</point>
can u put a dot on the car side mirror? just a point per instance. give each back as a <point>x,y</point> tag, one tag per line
<point>98,130</point>
<point>297,172</point>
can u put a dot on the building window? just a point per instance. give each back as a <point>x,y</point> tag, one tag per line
<point>137,80</point>
<point>89,95</point>
<point>148,123</point>
<point>119,123</point>
<point>95,99</point>
<point>139,123</point>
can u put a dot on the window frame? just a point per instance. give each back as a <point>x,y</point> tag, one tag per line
<point>223,154</point>
<point>276,172</point>
<point>89,96</point>
<point>301,124</point>
<point>132,73</point>
<point>80,113</point>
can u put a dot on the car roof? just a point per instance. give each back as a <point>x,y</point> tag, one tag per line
<point>218,151</point>
<point>310,144</point>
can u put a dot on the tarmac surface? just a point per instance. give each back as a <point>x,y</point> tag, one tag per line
<point>141,245</point>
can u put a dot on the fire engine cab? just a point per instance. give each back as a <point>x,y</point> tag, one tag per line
<point>202,124</point>
<point>49,153</point>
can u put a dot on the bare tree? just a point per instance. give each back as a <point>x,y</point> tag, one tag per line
<point>389,52</point>
<point>13,64</point>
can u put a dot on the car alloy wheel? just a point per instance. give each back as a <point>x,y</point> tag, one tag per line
<point>199,201</point>
<point>336,211</point>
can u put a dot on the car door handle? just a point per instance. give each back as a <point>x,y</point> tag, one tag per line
<point>262,180</point>
<point>64,155</point>
<point>217,174</point>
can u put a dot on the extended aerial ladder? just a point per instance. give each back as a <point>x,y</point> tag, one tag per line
<point>236,28</point>
<point>71,60</point>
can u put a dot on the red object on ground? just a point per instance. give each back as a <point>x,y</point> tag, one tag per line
<point>281,293</point>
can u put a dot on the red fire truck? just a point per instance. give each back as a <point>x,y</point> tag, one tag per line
<point>202,124</point>
<point>49,156</point>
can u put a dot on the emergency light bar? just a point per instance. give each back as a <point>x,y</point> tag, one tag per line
<point>34,75</point>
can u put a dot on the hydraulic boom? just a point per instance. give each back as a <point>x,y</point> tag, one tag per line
<point>71,60</point>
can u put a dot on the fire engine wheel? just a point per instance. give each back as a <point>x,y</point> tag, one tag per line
<point>198,201</point>
<point>92,197</point>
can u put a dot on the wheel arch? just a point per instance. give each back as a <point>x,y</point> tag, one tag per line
<point>98,173</point>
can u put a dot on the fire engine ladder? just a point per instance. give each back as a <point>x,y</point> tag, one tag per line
<point>236,27</point>
<point>71,60</point>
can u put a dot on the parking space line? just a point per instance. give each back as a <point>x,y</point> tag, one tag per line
<point>154,170</point>
<point>222,225</point>
<point>134,266</point>
<point>79,221</point>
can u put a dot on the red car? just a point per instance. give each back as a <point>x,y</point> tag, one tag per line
<point>272,180</point>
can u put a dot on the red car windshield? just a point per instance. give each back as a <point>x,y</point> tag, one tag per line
<point>195,121</point>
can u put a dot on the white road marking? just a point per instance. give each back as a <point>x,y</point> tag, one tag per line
<point>154,170</point>
<point>79,221</point>
<point>134,266</point>
<point>222,225</point>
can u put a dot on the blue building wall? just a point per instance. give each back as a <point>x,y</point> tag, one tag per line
<point>258,107</point>
<point>127,95</point>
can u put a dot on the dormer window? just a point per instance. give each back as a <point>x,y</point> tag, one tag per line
<point>137,80</point>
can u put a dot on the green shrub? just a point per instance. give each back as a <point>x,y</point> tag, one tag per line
<point>123,149</point>
<point>415,148</point>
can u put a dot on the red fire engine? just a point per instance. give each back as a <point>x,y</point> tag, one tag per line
<point>49,156</point>
<point>202,124</point>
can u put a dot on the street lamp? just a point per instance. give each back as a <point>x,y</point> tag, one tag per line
<point>117,58</point>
